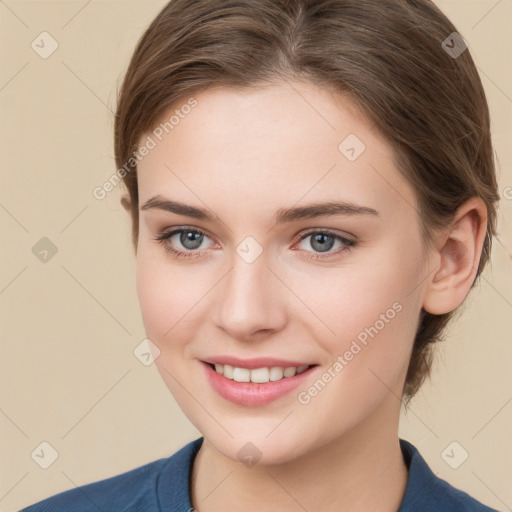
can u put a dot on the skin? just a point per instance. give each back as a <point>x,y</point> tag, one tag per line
<point>244,155</point>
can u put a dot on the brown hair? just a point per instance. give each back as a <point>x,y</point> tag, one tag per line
<point>386,55</point>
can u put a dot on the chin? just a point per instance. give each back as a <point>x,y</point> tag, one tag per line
<point>257,449</point>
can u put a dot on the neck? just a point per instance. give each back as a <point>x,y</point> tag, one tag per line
<point>361,471</point>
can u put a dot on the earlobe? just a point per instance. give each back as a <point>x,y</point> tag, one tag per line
<point>457,256</point>
<point>125,202</point>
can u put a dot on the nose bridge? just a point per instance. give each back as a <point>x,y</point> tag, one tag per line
<point>250,300</point>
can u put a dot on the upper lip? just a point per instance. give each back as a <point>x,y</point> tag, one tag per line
<point>256,362</point>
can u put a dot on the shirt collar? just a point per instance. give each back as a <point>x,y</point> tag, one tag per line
<point>173,486</point>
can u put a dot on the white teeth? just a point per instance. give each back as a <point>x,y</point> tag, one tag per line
<point>258,375</point>
<point>228,371</point>
<point>290,371</point>
<point>276,373</point>
<point>241,374</point>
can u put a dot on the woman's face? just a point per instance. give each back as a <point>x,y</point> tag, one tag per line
<point>267,275</point>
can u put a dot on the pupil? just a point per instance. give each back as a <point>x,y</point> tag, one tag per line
<point>194,239</point>
<point>320,239</point>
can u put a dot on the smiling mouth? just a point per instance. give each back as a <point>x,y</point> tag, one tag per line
<point>261,375</point>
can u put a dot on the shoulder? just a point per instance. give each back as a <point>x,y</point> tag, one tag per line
<point>120,492</point>
<point>137,489</point>
<point>426,492</point>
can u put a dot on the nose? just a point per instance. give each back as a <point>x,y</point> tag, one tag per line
<point>251,300</point>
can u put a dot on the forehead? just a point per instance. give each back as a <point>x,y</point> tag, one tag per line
<point>281,144</point>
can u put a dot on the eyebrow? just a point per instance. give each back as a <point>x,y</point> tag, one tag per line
<point>282,215</point>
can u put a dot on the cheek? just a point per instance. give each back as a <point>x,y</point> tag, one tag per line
<point>368,317</point>
<point>368,354</point>
<point>152,291</point>
<point>351,299</point>
<point>173,300</point>
<point>170,303</point>
<point>163,295</point>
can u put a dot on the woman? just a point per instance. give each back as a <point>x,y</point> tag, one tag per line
<point>312,194</point>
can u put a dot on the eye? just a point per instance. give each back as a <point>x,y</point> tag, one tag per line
<point>191,240</point>
<point>188,238</point>
<point>323,241</point>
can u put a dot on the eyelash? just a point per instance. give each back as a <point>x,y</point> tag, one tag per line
<point>165,236</point>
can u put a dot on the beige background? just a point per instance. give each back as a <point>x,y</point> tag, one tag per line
<point>69,326</point>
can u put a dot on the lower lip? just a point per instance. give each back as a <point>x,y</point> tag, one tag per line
<point>253,394</point>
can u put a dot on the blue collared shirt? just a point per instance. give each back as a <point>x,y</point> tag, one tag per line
<point>163,486</point>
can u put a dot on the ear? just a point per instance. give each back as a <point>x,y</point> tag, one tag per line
<point>125,201</point>
<point>457,256</point>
